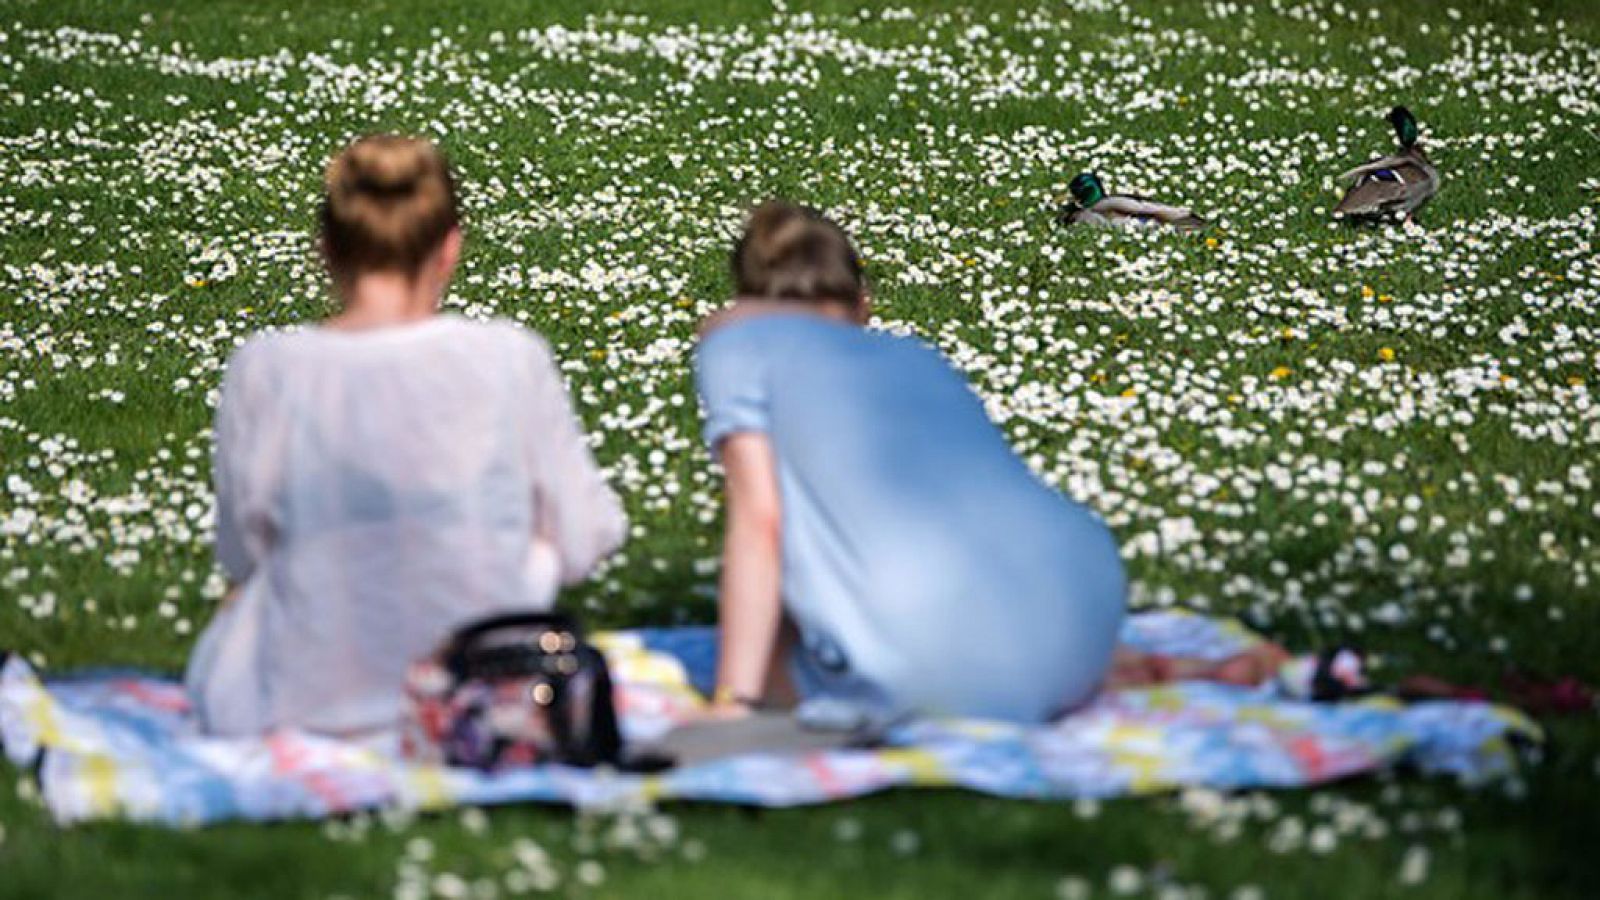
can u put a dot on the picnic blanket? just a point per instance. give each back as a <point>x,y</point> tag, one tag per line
<point>110,745</point>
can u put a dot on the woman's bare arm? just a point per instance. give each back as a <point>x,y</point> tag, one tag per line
<point>750,608</point>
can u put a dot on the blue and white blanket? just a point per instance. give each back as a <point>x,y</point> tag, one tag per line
<point>126,746</point>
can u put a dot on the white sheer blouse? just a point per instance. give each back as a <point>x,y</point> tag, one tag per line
<point>375,490</point>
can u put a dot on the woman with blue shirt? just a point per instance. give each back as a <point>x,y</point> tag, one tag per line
<point>886,552</point>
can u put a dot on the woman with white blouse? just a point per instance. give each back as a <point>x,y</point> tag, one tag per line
<point>388,475</point>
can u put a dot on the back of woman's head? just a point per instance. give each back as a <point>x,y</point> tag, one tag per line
<point>388,203</point>
<point>792,252</point>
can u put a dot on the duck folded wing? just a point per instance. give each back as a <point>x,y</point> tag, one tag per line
<point>1124,205</point>
<point>1382,188</point>
<point>1387,163</point>
<point>1372,197</point>
<point>1131,209</point>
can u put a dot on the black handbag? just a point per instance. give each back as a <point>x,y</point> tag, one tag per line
<point>511,690</point>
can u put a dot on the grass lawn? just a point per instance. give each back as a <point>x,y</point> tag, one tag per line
<point>1382,436</point>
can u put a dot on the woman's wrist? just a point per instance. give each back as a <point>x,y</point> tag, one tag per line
<point>727,695</point>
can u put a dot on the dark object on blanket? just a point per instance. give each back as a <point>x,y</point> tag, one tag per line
<point>1336,674</point>
<point>1341,673</point>
<point>515,690</point>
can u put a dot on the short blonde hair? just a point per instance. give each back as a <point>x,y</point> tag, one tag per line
<point>388,202</point>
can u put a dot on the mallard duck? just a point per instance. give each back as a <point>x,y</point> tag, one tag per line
<point>1398,184</point>
<point>1092,206</point>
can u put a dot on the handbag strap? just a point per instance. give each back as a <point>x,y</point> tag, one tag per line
<point>462,643</point>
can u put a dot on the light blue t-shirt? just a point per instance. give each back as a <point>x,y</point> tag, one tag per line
<point>924,565</point>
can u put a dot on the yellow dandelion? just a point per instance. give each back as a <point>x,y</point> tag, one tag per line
<point>1386,354</point>
<point>1235,398</point>
<point>1385,298</point>
<point>1279,373</point>
<point>197,282</point>
<point>1212,243</point>
<point>1287,334</point>
<point>1367,292</point>
<point>1130,392</point>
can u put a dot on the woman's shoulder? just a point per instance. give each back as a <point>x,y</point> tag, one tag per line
<point>498,342</point>
<point>512,338</point>
<point>325,348</point>
<point>748,314</point>
<point>732,334</point>
<point>766,326</point>
<point>495,329</point>
<point>449,327</point>
<point>258,350</point>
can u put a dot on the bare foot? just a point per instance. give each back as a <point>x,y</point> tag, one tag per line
<point>1132,668</point>
<point>1252,667</point>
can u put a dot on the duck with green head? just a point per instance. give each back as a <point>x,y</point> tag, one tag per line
<point>1092,206</point>
<point>1394,186</point>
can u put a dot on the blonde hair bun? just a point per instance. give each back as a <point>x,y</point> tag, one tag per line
<point>388,202</point>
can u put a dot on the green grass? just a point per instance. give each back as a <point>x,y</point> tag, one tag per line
<point>944,150</point>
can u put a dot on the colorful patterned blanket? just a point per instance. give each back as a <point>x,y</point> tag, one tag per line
<point>121,745</point>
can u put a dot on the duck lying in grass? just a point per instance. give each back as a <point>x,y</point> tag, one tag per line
<point>1092,206</point>
<point>1395,185</point>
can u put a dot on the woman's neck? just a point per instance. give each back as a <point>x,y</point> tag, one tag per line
<point>382,299</point>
